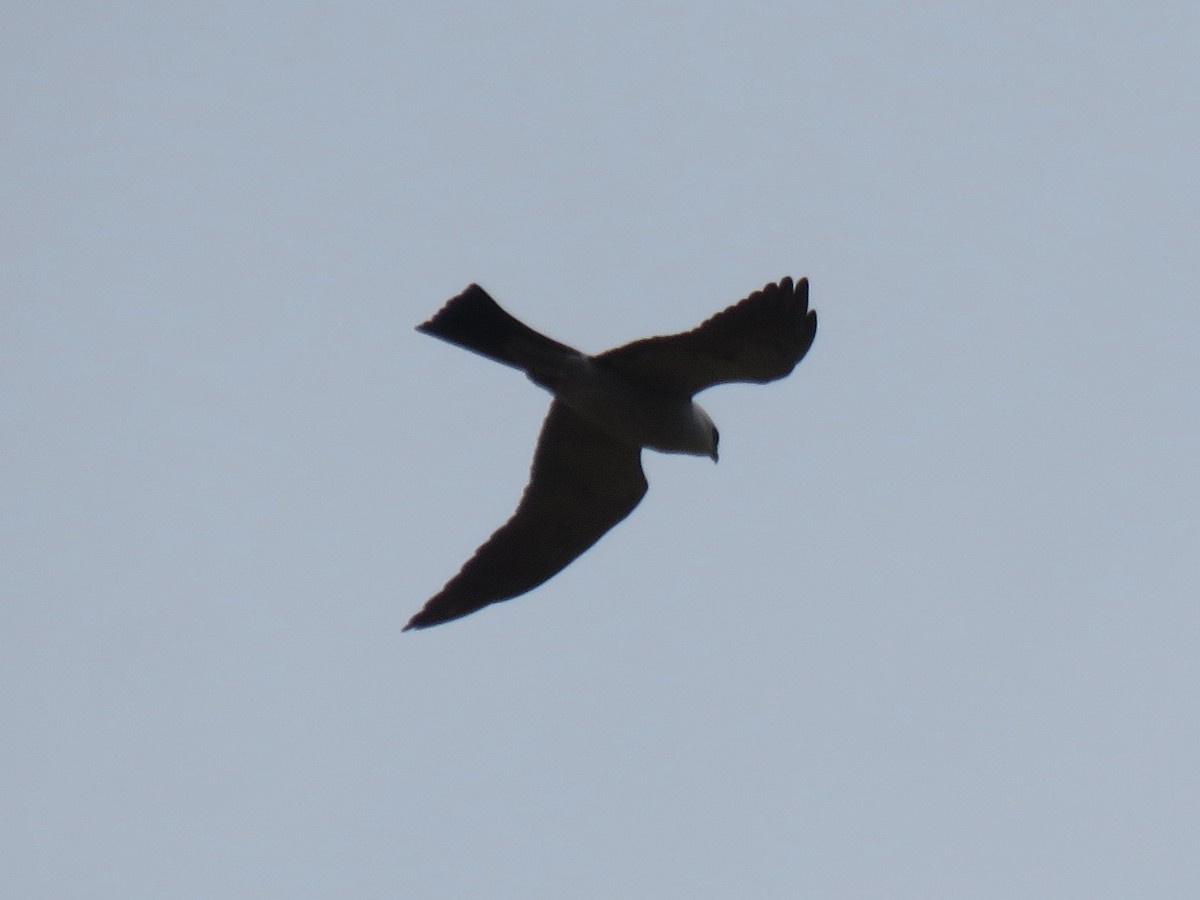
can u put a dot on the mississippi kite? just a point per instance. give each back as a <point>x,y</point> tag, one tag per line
<point>587,469</point>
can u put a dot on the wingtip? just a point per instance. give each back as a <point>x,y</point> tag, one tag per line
<point>415,624</point>
<point>795,286</point>
<point>788,286</point>
<point>425,618</point>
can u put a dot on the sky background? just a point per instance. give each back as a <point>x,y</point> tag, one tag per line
<point>930,628</point>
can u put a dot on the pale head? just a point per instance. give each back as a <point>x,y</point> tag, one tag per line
<point>704,434</point>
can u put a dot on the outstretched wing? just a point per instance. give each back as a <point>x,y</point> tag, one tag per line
<point>759,339</point>
<point>582,484</point>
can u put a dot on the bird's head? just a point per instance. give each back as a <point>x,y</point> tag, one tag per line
<point>706,434</point>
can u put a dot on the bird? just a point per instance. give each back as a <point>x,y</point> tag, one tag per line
<point>587,473</point>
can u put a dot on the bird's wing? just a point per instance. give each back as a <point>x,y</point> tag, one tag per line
<point>759,339</point>
<point>582,484</point>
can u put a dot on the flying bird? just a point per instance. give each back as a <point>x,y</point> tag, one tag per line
<point>587,469</point>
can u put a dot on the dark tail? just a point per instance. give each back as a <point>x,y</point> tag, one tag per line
<point>475,321</point>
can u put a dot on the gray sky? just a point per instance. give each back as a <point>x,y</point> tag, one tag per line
<point>930,628</point>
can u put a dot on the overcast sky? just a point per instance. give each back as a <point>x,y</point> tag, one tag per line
<point>929,630</point>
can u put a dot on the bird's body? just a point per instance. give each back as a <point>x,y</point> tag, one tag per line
<point>641,418</point>
<point>587,472</point>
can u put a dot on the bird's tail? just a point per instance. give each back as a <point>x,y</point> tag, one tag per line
<point>475,321</point>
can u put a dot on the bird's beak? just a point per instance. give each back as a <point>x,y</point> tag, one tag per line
<point>714,454</point>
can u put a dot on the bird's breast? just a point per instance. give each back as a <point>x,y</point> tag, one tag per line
<point>636,414</point>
